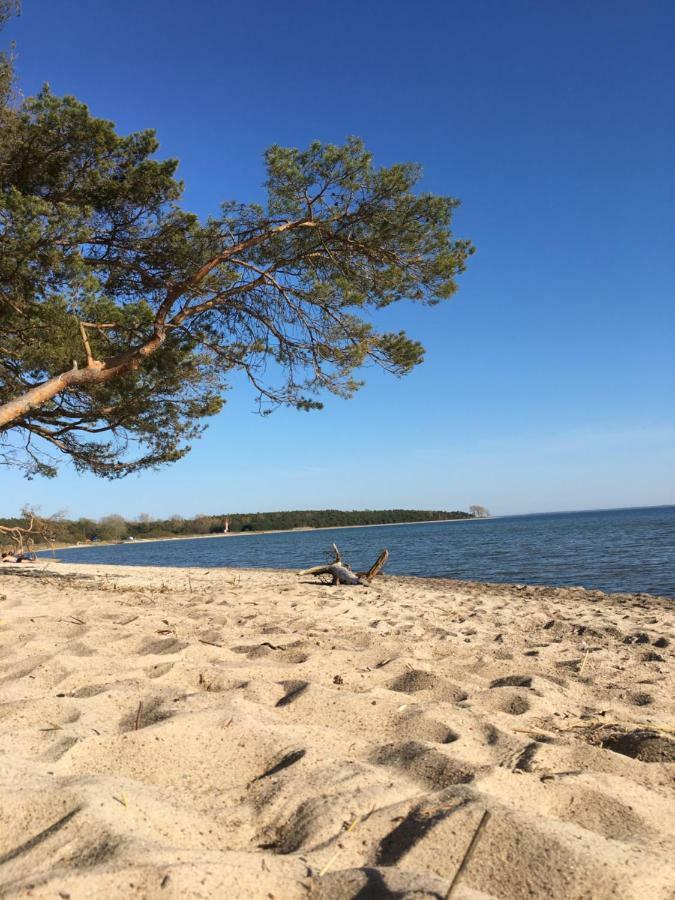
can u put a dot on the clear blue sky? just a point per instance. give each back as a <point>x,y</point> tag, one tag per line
<point>549,381</point>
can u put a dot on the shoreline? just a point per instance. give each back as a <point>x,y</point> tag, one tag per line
<point>42,564</point>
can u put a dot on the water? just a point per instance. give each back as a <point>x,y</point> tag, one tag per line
<point>624,550</point>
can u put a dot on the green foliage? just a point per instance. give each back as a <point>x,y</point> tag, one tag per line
<point>91,232</point>
<point>116,528</point>
<point>8,8</point>
<point>112,528</point>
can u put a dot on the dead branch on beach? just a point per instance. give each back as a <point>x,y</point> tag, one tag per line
<point>341,572</point>
<point>21,538</point>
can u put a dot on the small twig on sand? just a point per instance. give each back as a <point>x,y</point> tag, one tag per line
<point>357,821</point>
<point>211,643</point>
<point>137,724</point>
<point>532,731</point>
<point>384,662</point>
<point>468,854</point>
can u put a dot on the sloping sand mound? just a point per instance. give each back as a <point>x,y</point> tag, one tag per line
<point>183,733</point>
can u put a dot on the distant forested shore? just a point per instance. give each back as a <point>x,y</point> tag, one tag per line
<point>116,528</point>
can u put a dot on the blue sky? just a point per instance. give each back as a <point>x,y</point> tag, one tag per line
<point>549,381</point>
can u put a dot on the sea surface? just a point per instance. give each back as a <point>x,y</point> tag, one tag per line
<point>619,550</point>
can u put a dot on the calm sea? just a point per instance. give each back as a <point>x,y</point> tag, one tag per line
<point>627,550</point>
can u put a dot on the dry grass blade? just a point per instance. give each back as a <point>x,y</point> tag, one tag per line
<point>532,731</point>
<point>357,821</point>
<point>137,723</point>
<point>468,854</point>
<point>597,725</point>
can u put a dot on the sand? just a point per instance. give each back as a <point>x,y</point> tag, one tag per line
<point>241,734</point>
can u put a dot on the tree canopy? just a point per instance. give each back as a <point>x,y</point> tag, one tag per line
<point>479,512</point>
<point>122,315</point>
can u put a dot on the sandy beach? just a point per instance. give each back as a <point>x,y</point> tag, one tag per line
<point>231,733</point>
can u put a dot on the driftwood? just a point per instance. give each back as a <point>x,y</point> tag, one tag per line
<point>21,537</point>
<point>341,572</point>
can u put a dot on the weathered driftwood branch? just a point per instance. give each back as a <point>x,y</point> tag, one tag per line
<point>341,572</point>
<point>20,538</point>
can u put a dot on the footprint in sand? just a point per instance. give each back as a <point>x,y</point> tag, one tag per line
<point>416,826</point>
<point>378,882</point>
<point>598,812</point>
<point>640,698</point>
<point>77,648</point>
<point>642,744</point>
<point>164,645</point>
<point>159,670</point>
<point>424,729</point>
<point>287,654</point>
<point>423,763</point>
<point>508,700</point>
<point>414,680</point>
<point>148,712</point>
<point>514,704</point>
<point>59,749</point>
<point>89,690</point>
<point>524,681</point>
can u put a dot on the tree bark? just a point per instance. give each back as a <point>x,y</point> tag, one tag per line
<point>94,373</point>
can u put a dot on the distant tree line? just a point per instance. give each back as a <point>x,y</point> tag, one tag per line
<point>117,528</point>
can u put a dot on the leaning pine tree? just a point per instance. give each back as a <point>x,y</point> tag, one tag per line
<point>122,315</point>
